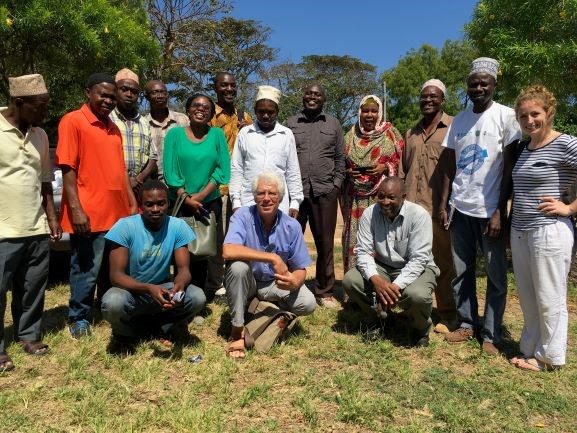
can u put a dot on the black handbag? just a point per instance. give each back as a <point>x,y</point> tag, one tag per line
<point>204,228</point>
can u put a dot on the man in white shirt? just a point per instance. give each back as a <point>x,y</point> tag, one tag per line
<point>265,146</point>
<point>395,260</point>
<point>478,143</point>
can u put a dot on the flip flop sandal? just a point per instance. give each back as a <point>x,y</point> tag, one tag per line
<point>34,347</point>
<point>6,363</point>
<point>532,364</point>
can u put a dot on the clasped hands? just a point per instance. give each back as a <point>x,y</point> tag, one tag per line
<point>162,296</point>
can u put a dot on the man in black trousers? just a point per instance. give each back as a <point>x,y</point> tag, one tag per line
<point>321,153</point>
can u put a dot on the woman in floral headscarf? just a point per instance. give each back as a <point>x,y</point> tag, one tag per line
<point>373,150</point>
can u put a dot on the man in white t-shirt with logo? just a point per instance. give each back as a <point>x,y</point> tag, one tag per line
<point>481,185</point>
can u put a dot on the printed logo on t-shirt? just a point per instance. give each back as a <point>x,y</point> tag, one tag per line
<point>152,251</point>
<point>471,158</point>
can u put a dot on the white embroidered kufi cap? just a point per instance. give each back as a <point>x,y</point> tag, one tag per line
<point>436,83</point>
<point>485,65</point>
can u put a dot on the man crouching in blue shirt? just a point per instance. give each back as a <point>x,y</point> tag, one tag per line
<point>266,257</point>
<point>143,300</point>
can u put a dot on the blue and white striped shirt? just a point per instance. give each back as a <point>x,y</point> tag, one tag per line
<point>543,172</point>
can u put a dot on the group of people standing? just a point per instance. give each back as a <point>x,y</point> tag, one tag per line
<point>415,210</point>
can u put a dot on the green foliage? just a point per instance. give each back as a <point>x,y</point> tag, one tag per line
<point>198,41</point>
<point>404,81</point>
<point>535,43</point>
<point>345,79</point>
<point>237,46</point>
<point>67,40</point>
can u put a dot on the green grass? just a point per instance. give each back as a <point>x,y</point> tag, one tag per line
<point>327,377</point>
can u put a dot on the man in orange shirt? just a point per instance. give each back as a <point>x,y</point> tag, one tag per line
<point>96,194</point>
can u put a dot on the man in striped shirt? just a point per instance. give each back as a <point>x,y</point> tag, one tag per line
<point>161,118</point>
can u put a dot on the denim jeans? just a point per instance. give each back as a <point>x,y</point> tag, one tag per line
<point>466,236</point>
<point>85,262</point>
<point>132,315</point>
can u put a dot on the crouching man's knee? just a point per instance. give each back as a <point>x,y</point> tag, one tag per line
<point>237,269</point>
<point>306,302</point>
<point>114,304</point>
<point>354,285</point>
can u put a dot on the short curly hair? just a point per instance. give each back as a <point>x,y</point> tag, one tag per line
<point>540,94</point>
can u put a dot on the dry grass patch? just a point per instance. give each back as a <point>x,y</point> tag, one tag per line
<point>327,377</point>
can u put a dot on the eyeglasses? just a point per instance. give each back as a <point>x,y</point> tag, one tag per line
<point>200,105</point>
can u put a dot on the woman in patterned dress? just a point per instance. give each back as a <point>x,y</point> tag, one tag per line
<point>373,150</point>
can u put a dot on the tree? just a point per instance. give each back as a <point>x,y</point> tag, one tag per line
<point>345,79</point>
<point>173,24</point>
<point>404,81</point>
<point>67,40</point>
<point>237,46</point>
<point>197,41</point>
<point>535,42</point>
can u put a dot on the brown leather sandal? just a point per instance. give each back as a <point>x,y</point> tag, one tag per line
<point>6,363</point>
<point>236,346</point>
<point>34,347</point>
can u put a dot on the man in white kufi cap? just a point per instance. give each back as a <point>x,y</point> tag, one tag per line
<point>481,164</point>
<point>265,146</point>
<point>422,168</point>
<point>28,219</point>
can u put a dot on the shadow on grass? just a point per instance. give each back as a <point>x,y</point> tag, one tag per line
<point>161,347</point>
<point>225,325</point>
<point>508,346</point>
<point>55,319</point>
<point>395,328</point>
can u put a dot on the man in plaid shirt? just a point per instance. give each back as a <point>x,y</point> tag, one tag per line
<point>140,154</point>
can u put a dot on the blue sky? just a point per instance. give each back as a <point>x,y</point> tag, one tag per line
<point>379,32</point>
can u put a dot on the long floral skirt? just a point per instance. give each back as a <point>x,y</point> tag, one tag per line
<point>352,208</point>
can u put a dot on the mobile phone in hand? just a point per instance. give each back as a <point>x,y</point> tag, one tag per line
<point>363,170</point>
<point>178,297</point>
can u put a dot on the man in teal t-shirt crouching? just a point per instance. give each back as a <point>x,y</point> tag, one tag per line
<point>143,300</point>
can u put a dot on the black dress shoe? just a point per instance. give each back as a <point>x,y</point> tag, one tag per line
<point>422,341</point>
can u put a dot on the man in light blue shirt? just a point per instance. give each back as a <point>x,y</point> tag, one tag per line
<point>267,257</point>
<point>395,260</point>
<point>144,300</point>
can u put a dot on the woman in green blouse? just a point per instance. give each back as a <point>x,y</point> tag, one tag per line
<point>196,162</point>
